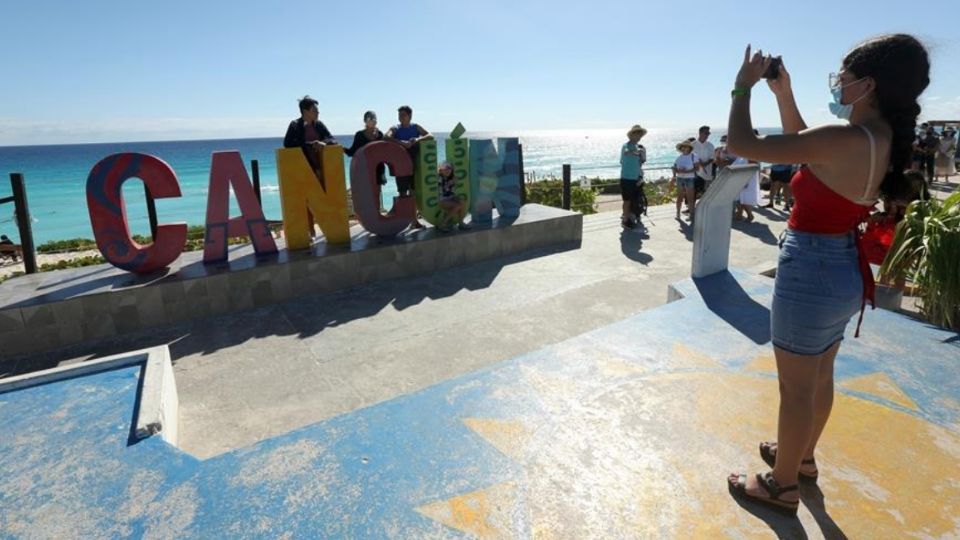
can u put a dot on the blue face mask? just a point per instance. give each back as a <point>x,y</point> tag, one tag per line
<point>837,108</point>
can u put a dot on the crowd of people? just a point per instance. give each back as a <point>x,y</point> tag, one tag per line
<point>311,135</point>
<point>936,154</point>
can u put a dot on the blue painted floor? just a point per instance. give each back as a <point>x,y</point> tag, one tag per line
<point>624,432</point>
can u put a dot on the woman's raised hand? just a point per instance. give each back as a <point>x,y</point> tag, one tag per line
<point>781,85</point>
<point>752,69</point>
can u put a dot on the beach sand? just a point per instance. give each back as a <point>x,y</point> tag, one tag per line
<point>7,267</point>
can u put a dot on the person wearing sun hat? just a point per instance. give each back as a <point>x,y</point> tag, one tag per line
<point>944,162</point>
<point>685,171</point>
<point>632,157</point>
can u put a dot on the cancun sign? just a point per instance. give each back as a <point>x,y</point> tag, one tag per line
<point>487,174</point>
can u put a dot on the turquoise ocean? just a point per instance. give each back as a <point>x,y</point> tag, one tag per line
<point>56,175</point>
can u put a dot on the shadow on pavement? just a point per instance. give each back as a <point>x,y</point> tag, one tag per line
<point>724,296</point>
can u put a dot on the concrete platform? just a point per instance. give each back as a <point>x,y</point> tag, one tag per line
<point>48,310</point>
<point>253,375</point>
<point>626,431</point>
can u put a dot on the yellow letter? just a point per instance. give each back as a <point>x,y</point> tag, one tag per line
<point>300,191</point>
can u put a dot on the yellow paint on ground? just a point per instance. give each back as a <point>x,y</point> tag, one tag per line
<point>508,436</point>
<point>687,358</point>
<point>611,366</point>
<point>764,362</point>
<point>485,513</point>
<point>880,385</point>
<point>649,456</point>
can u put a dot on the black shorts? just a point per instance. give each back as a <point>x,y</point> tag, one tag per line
<point>628,189</point>
<point>781,176</point>
<point>405,184</point>
<point>699,184</point>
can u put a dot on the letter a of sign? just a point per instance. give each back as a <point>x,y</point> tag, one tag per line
<point>108,213</point>
<point>227,170</point>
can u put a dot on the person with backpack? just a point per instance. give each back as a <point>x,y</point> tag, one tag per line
<point>632,157</point>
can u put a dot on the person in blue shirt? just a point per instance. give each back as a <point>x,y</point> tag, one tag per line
<point>632,157</point>
<point>408,135</point>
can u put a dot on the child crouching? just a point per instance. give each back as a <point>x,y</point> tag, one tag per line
<point>453,208</point>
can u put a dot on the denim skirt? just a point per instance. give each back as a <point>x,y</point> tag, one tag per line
<point>818,288</point>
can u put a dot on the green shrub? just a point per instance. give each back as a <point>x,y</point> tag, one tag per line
<point>550,193</point>
<point>73,244</point>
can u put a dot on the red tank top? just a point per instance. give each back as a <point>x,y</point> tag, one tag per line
<point>820,210</point>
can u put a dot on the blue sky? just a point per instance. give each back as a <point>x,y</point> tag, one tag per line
<point>116,71</point>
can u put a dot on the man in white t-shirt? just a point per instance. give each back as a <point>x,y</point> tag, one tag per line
<point>704,150</point>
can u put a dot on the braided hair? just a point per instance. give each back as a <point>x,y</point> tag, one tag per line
<point>900,67</point>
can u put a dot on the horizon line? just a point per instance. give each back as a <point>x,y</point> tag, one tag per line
<point>442,133</point>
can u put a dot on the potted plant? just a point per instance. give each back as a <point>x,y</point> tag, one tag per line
<point>926,250</point>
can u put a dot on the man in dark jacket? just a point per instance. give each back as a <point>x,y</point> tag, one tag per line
<point>309,133</point>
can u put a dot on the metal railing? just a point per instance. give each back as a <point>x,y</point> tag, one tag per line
<point>21,214</point>
<point>566,185</point>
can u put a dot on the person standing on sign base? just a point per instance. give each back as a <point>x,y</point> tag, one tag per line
<point>408,135</point>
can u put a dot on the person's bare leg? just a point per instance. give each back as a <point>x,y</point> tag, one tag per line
<point>774,190</point>
<point>798,375</point>
<point>691,202</point>
<point>787,196</point>
<point>681,194</point>
<point>625,215</point>
<point>823,403</point>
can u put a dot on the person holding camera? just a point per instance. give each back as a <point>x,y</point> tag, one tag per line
<point>823,278</point>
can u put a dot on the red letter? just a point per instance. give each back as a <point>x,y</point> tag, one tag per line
<point>366,189</point>
<point>227,170</point>
<point>108,214</point>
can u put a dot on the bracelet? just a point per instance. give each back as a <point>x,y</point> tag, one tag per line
<point>740,92</point>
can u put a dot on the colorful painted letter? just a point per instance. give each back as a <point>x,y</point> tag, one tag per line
<point>425,178</point>
<point>458,154</point>
<point>226,170</point>
<point>300,191</point>
<point>366,190</point>
<point>495,178</point>
<point>108,213</point>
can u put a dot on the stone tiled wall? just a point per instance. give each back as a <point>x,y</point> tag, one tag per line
<point>55,309</point>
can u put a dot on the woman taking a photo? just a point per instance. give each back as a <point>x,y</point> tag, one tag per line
<point>822,277</point>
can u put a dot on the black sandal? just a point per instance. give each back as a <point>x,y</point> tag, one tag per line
<point>773,489</point>
<point>771,459</point>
